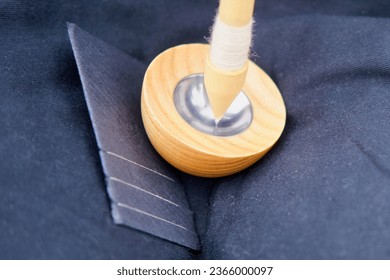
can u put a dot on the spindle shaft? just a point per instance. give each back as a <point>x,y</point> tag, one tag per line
<point>227,63</point>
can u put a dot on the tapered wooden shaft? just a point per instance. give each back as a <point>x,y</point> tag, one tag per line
<point>223,85</point>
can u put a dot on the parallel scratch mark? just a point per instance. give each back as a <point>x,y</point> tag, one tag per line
<point>151,215</point>
<point>140,189</point>
<point>140,165</point>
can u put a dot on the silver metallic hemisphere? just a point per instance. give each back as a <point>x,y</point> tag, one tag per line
<point>192,103</point>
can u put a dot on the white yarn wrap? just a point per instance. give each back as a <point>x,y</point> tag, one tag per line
<point>230,45</point>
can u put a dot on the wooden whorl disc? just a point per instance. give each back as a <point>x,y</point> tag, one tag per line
<point>195,152</point>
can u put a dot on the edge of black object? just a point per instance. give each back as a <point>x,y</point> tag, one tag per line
<point>145,192</point>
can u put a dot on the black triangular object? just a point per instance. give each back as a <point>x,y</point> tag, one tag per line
<point>144,190</point>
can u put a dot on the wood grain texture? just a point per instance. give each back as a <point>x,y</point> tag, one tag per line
<point>195,152</point>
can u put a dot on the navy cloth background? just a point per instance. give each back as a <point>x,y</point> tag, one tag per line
<point>322,193</point>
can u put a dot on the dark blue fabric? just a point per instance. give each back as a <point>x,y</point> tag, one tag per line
<point>323,192</point>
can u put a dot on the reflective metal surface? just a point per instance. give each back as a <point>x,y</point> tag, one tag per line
<point>192,103</point>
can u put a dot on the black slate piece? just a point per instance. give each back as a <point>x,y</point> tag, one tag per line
<point>144,191</point>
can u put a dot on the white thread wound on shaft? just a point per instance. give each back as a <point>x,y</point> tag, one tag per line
<point>230,45</point>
